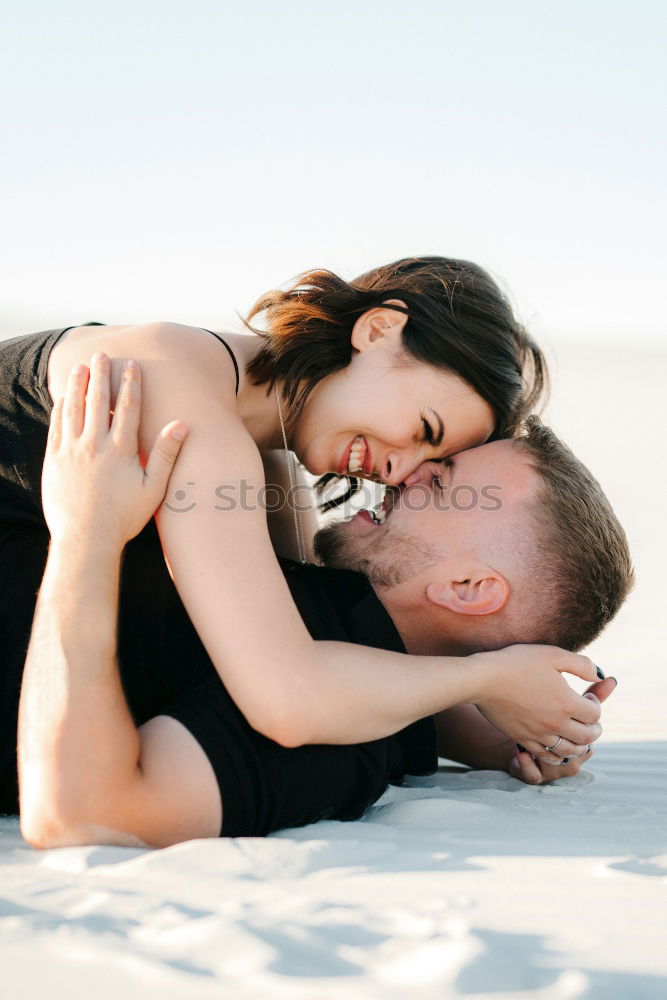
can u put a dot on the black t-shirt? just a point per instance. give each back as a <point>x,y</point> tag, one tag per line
<point>266,787</point>
<point>164,666</point>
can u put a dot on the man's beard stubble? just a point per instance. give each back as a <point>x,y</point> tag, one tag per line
<point>387,558</point>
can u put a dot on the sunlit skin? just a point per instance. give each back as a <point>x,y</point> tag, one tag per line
<point>399,406</point>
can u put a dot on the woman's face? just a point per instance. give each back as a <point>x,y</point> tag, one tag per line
<point>386,413</point>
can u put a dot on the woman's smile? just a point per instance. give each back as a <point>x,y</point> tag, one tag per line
<point>357,458</point>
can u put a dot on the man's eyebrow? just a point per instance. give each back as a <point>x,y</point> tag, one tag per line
<point>441,427</point>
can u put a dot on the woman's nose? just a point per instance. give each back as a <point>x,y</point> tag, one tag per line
<point>390,471</point>
<point>396,467</point>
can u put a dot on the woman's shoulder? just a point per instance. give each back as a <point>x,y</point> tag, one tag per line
<point>176,341</point>
<point>190,349</point>
<point>161,337</point>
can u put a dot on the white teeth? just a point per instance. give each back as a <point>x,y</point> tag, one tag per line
<point>357,454</point>
<point>378,515</point>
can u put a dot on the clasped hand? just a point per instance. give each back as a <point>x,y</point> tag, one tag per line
<point>526,697</point>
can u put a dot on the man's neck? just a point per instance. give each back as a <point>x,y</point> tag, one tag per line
<point>416,626</point>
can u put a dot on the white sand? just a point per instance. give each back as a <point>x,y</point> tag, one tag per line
<point>465,884</point>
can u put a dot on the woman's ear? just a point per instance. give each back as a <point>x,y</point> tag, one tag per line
<point>379,325</point>
<point>485,592</point>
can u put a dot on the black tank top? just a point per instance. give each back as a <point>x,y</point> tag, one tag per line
<point>25,411</point>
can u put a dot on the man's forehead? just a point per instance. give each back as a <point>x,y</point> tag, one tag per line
<point>492,451</point>
<point>501,463</point>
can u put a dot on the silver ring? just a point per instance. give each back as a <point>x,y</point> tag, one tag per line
<point>556,745</point>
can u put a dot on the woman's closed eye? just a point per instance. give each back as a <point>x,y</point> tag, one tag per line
<point>428,436</point>
<point>433,429</point>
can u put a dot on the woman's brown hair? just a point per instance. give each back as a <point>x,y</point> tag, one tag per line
<point>458,321</point>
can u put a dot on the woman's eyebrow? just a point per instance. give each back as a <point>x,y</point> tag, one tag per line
<point>441,428</point>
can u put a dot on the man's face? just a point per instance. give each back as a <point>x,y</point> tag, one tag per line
<point>473,513</point>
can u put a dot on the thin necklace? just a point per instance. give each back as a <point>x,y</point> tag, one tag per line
<point>291,468</point>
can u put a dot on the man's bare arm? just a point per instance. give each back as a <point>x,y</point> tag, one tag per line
<point>77,741</point>
<point>464,735</point>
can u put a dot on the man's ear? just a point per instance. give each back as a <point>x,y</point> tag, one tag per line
<point>484,592</point>
<point>379,324</point>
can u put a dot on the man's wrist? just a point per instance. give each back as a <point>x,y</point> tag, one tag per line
<point>80,585</point>
<point>76,542</point>
<point>83,561</point>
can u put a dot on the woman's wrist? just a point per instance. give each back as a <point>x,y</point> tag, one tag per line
<point>483,676</point>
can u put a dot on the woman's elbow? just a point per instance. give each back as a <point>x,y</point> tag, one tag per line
<point>289,707</point>
<point>285,726</point>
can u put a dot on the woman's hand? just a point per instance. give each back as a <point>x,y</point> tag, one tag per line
<point>534,771</point>
<point>93,481</point>
<point>526,697</point>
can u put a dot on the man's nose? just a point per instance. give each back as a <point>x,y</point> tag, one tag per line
<point>399,470</point>
<point>424,474</point>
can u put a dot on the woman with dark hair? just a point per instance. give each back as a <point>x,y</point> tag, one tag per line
<point>411,362</point>
<point>457,321</point>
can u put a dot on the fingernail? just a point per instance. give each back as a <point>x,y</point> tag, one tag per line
<point>599,672</point>
<point>78,369</point>
<point>178,432</point>
<point>614,680</point>
<point>566,760</point>
<point>520,748</point>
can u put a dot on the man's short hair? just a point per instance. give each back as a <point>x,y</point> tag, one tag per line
<point>583,565</point>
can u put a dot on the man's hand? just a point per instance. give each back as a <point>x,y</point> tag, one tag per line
<point>534,771</point>
<point>93,481</point>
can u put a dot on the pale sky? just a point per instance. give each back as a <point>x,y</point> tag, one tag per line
<point>166,160</point>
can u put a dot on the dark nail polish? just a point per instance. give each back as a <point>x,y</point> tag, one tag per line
<point>520,748</point>
<point>565,760</point>
<point>614,680</point>
<point>599,672</point>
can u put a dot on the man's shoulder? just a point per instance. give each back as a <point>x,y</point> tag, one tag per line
<point>325,598</point>
<point>336,581</point>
